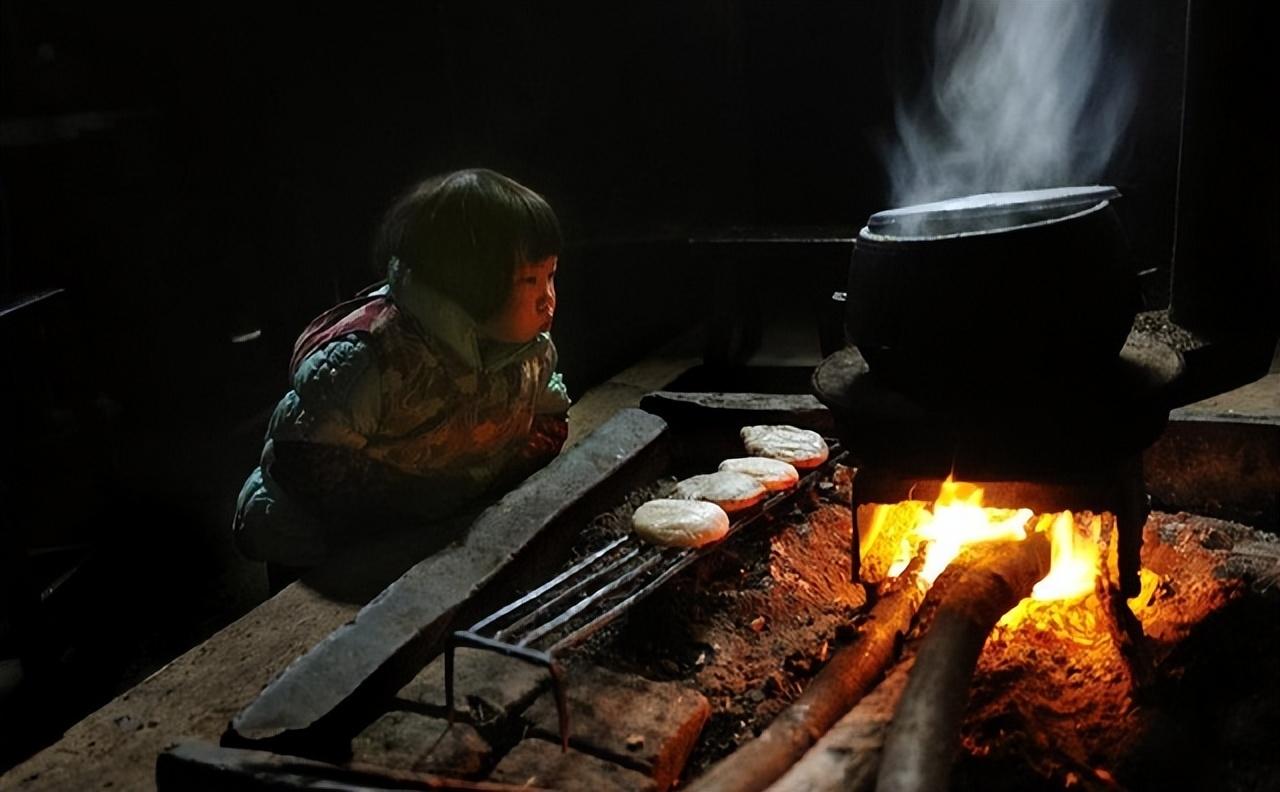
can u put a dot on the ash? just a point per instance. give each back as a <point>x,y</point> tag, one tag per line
<point>752,622</point>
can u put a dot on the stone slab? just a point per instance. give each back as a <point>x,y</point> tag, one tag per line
<point>539,763</point>
<point>649,726</point>
<point>402,740</point>
<point>1218,468</point>
<point>740,409</point>
<point>411,617</point>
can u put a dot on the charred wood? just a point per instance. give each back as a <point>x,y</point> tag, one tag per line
<point>847,757</point>
<point>845,679</point>
<point>970,598</point>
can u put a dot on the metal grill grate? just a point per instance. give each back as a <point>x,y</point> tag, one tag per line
<point>575,604</point>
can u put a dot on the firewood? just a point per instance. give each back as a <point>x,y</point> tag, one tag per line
<point>848,755</point>
<point>845,679</point>
<point>983,584</point>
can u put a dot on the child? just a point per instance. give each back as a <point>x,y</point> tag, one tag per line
<point>423,396</point>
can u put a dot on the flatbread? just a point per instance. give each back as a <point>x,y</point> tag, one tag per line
<point>774,474</point>
<point>680,523</point>
<point>800,447</point>
<point>728,490</point>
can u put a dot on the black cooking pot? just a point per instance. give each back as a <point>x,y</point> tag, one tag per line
<point>976,295</point>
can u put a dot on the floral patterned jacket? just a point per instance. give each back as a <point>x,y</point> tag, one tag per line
<point>400,414</point>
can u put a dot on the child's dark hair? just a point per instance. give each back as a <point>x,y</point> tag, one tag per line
<point>463,234</point>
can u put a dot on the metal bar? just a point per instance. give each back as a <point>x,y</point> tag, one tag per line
<point>485,622</point>
<point>586,631</point>
<point>535,656</point>
<point>680,561</point>
<point>506,639</point>
<point>525,619</point>
<point>558,684</point>
<point>587,601</point>
<point>470,639</point>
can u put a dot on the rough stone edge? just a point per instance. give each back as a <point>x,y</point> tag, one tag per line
<point>1217,467</point>
<point>739,408</point>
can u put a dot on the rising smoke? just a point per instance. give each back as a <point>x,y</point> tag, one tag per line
<point>1020,94</point>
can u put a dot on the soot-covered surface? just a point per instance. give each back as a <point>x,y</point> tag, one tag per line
<point>751,623</point>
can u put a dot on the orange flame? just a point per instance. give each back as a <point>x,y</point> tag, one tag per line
<point>1076,562</point>
<point>958,519</point>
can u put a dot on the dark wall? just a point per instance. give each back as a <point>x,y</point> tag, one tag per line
<point>236,159</point>
<point>191,173</point>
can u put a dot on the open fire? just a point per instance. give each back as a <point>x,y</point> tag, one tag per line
<point>1064,601</point>
<point>958,519</point>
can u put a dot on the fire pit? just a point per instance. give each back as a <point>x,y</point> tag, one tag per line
<point>769,629</point>
<point>1045,425</point>
<point>979,578</point>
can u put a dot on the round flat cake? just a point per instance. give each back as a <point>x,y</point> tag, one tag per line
<point>728,490</point>
<point>774,474</point>
<point>799,447</point>
<point>680,523</point>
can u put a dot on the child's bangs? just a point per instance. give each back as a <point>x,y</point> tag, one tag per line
<point>539,232</point>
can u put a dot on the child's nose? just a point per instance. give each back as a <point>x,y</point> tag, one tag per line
<point>549,298</point>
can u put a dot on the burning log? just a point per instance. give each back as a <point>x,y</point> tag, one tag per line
<point>963,607</point>
<point>844,680</point>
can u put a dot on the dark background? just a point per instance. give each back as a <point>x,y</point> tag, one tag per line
<point>193,174</point>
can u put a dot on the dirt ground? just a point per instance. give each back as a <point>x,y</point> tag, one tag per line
<point>751,623</point>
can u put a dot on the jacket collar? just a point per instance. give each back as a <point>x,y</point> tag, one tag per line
<point>446,321</point>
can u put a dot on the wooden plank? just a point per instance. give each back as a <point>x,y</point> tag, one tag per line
<point>402,628</point>
<point>195,695</point>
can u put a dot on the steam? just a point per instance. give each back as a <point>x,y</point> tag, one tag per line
<point>1022,94</point>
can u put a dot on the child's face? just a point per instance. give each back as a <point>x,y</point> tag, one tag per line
<point>530,306</point>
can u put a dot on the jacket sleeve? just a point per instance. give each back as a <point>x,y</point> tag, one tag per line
<point>554,398</point>
<point>338,395</point>
<point>318,454</point>
<point>550,427</point>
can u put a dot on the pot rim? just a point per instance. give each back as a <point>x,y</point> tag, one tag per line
<point>1105,194</point>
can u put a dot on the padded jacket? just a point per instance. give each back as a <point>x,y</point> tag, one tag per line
<point>400,414</point>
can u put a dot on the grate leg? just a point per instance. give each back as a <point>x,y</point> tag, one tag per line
<point>558,683</point>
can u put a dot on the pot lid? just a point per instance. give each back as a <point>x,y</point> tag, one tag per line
<point>986,212</point>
